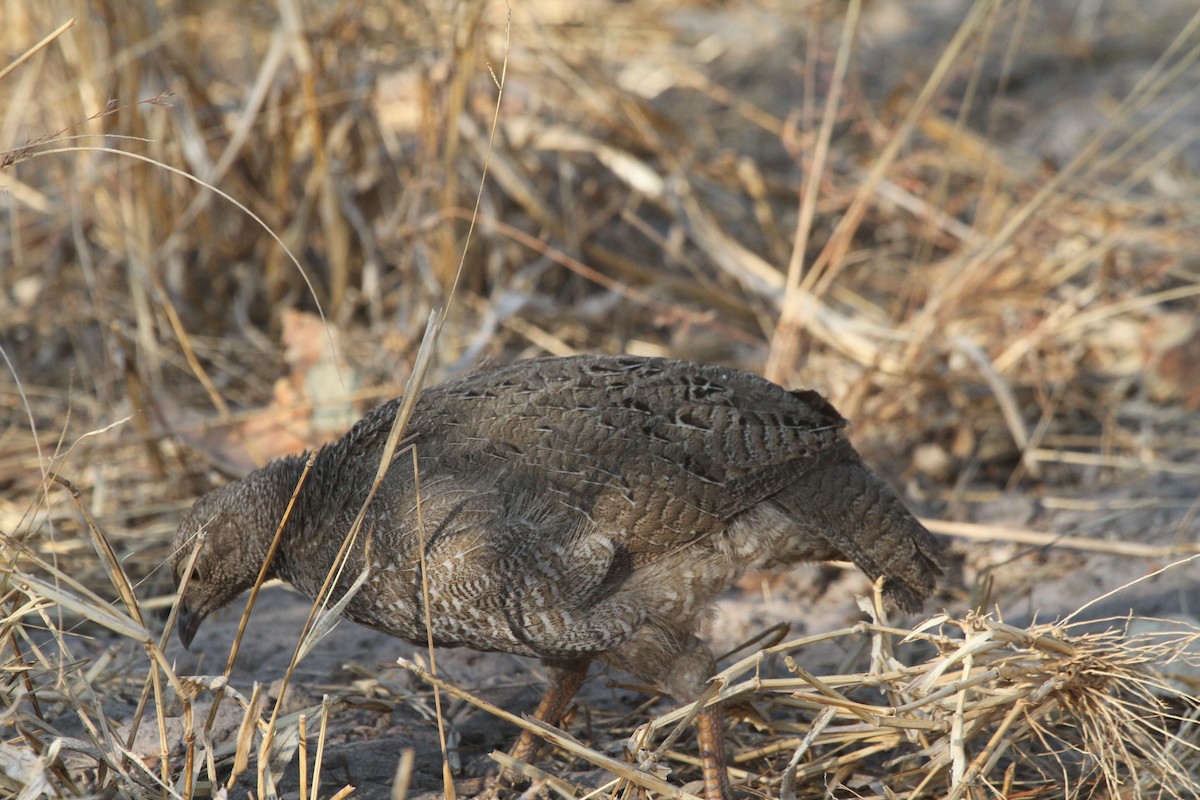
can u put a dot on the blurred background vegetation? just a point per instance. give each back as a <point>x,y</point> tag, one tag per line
<point>994,237</point>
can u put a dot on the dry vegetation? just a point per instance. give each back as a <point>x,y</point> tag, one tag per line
<point>972,224</point>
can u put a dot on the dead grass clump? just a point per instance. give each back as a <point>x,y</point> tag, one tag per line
<point>1003,711</point>
<point>1000,711</point>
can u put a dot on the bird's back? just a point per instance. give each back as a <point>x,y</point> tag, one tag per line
<point>664,450</point>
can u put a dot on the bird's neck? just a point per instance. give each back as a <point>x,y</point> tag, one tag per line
<point>326,505</point>
<point>269,492</point>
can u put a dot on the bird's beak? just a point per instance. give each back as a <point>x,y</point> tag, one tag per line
<point>187,623</point>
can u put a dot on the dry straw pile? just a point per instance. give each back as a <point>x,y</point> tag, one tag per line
<point>995,710</point>
<point>972,224</point>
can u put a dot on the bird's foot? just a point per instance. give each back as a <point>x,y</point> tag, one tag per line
<point>506,785</point>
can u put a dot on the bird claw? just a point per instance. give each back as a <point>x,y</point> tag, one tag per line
<point>506,784</point>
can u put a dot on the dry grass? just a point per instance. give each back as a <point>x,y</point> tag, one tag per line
<point>998,710</point>
<point>793,188</point>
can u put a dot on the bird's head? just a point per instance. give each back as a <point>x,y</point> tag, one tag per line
<point>230,530</point>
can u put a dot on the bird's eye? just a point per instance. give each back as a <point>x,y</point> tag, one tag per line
<point>197,574</point>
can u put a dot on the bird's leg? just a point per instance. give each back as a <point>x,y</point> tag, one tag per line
<point>681,666</point>
<point>565,680</point>
<point>711,737</point>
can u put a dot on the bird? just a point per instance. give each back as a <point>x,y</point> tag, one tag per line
<point>573,509</point>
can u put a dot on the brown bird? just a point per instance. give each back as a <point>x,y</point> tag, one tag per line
<point>573,509</point>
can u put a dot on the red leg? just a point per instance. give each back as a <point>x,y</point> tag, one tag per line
<point>711,736</point>
<point>565,681</point>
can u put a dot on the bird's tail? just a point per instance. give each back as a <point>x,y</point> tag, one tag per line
<point>860,516</point>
